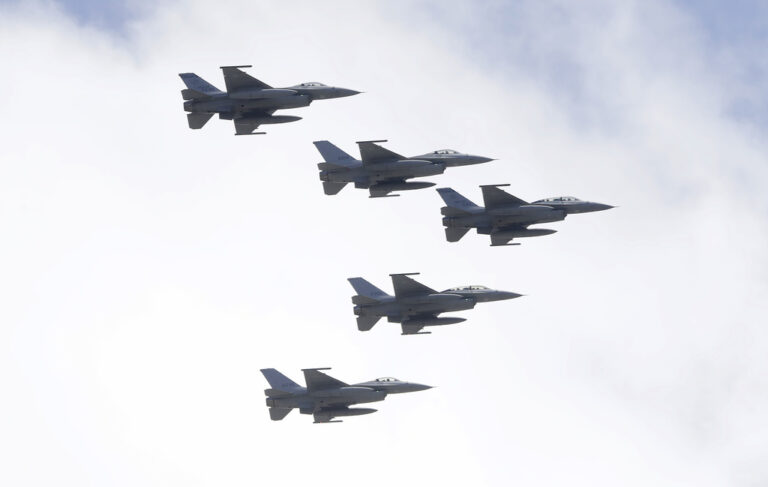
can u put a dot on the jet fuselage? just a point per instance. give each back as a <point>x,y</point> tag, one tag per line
<point>502,217</point>
<point>403,169</point>
<point>429,304</point>
<point>225,104</point>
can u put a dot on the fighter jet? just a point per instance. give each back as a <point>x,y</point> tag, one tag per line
<point>325,397</point>
<point>382,171</point>
<point>415,305</point>
<point>249,102</point>
<point>506,217</point>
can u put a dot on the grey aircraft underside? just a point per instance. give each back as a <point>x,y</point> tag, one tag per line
<point>382,171</point>
<point>504,216</point>
<point>415,305</point>
<point>249,102</point>
<point>325,397</point>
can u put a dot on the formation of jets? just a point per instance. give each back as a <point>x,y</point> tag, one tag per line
<point>250,103</point>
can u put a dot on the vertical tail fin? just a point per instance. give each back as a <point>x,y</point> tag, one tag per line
<point>455,201</point>
<point>334,155</point>
<point>197,86</point>
<point>280,382</point>
<point>367,290</point>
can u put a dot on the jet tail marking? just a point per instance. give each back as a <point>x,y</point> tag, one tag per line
<point>199,85</point>
<point>365,288</point>
<point>280,382</point>
<point>333,155</point>
<point>457,204</point>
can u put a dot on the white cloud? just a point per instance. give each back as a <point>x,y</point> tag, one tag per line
<point>149,271</point>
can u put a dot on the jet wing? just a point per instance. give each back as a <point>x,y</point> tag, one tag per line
<point>318,381</point>
<point>235,79</point>
<point>493,197</point>
<point>370,153</point>
<point>406,287</point>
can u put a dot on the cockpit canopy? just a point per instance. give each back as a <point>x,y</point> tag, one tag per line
<point>387,379</point>
<point>466,288</point>
<point>558,199</point>
<point>311,84</point>
<point>446,151</point>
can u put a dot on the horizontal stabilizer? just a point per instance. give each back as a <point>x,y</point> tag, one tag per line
<point>365,323</point>
<point>329,166</point>
<point>454,234</point>
<point>331,188</point>
<point>198,120</point>
<point>364,300</point>
<point>188,94</point>
<point>276,414</point>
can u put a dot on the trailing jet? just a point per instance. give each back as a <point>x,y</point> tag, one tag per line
<point>382,171</point>
<point>505,216</point>
<point>248,102</point>
<point>325,397</point>
<point>415,305</point>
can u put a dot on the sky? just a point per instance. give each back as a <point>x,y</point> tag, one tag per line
<point>148,271</point>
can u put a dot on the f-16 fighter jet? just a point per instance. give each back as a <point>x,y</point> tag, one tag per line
<point>382,171</point>
<point>248,102</point>
<point>325,397</point>
<point>505,216</point>
<point>415,305</point>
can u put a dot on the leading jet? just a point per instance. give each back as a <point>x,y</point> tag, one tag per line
<point>504,216</point>
<point>248,102</point>
<point>382,171</point>
<point>415,305</point>
<point>327,398</point>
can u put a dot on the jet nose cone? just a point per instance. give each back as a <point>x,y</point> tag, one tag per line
<point>481,159</point>
<point>418,387</point>
<point>508,295</point>
<point>342,92</point>
<point>601,207</point>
